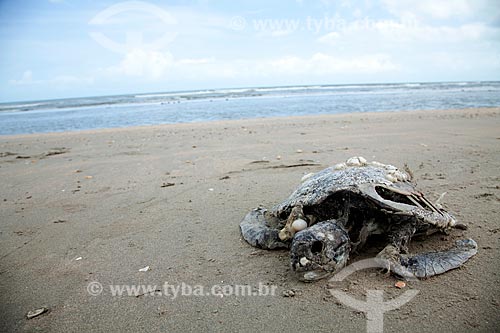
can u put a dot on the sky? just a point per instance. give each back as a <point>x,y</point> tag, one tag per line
<point>68,48</point>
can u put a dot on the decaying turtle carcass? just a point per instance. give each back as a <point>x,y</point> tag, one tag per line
<point>333,213</point>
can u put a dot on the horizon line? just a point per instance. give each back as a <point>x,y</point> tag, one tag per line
<point>243,87</point>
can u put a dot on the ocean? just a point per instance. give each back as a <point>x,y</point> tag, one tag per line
<point>76,114</point>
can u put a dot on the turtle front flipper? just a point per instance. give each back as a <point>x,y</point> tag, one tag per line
<point>428,264</point>
<point>261,230</point>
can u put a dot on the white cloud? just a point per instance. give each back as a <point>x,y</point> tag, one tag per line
<point>27,78</point>
<point>142,63</point>
<point>440,48</point>
<point>195,61</point>
<point>444,9</point>
<point>320,64</point>
<point>317,65</point>
<point>157,66</point>
<point>441,34</point>
<point>70,79</point>
<point>392,31</point>
<point>437,9</point>
<point>60,80</point>
<point>281,33</point>
<point>329,38</point>
<point>153,66</point>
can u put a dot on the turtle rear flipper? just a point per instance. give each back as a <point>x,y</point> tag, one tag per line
<point>260,229</point>
<point>428,264</point>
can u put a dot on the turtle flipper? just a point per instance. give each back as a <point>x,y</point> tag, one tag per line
<point>261,230</point>
<point>428,264</point>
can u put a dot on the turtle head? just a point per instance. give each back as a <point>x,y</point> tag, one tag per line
<point>319,251</point>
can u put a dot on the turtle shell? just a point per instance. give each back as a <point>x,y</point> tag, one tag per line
<point>331,192</point>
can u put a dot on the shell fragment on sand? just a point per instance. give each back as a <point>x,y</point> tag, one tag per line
<point>36,312</point>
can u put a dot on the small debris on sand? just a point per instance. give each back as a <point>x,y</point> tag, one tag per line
<point>51,152</point>
<point>7,153</point>
<point>55,151</point>
<point>167,184</point>
<point>36,313</point>
<point>400,284</point>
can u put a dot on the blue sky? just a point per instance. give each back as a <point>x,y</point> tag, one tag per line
<point>68,48</point>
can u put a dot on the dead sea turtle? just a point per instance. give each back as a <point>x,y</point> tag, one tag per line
<point>333,212</point>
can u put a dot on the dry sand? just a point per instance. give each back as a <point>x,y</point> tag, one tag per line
<point>116,215</point>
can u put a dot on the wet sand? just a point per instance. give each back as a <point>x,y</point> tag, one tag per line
<point>171,197</point>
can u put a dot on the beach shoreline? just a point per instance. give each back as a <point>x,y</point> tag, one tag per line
<point>243,103</point>
<point>217,123</point>
<point>171,197</point>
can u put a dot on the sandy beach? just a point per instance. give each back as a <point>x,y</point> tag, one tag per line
<point>97,206</point>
